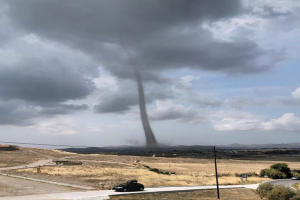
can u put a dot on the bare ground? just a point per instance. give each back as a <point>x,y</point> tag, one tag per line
<point>18,187</point>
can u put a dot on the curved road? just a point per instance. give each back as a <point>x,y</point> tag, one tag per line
<point>285,182</point>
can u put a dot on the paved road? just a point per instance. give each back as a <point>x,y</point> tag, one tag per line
<point>285,182</point>
<point>104,194</point>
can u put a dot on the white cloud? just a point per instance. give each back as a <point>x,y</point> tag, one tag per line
<point>186,80</point>
<point>288,122</point>
<point>55,126</point>
<point>230,124</point>
<point>241,121</point>
<point>296,93</point>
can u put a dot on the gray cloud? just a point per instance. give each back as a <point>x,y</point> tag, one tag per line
<point>62,109</point>
<point>126,96</point>
<point>16,113</point>
<point>167,110</point>
<point>60,45</point>
<point>162,34</point>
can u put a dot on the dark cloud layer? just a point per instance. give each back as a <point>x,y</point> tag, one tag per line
<point>162,34</point>
<point>69,40</point>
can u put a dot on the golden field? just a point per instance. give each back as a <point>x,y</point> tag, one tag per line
<point>113,169</point>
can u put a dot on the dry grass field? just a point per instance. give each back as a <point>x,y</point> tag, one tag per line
<point>228,194</point>
<point>113,169</point>
<point>15,158</point>
<point>28,155</point>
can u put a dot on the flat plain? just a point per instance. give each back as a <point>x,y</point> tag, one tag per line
<point>110,170</point>
<point>99,169</point>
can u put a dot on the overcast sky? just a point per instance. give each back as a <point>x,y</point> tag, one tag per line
<point>214,72</point>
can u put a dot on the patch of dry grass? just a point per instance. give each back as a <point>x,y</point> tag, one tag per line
<point>15,158</point>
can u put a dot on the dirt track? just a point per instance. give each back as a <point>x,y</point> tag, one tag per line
<point>17,187</point>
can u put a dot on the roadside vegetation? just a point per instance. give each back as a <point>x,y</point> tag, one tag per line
<point>271,192</point>
<point>279,171</point>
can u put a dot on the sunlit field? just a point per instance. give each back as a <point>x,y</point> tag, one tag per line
<point>112,169</point>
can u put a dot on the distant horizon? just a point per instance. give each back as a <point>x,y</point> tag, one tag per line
<point>144,146</point>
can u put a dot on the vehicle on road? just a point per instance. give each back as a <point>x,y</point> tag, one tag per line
<point>296,178</point>
<point>131,185</point>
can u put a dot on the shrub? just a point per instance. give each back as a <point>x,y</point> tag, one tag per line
<point>280,193</point>
<point>250,174</point>
<point>264,189</point>
<point>276,174</point>
<point>158,171</point>
<point>277,171</point>
<point>295,172</point>
<point>282,167</point>
<point>296,197</point>
<point>224,174</point>
<point>263,172</point>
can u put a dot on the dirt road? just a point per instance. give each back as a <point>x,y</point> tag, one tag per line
<point>18,187</point>
<point>10,186</point>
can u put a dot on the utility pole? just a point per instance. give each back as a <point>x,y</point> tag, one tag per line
<point>215,154</point>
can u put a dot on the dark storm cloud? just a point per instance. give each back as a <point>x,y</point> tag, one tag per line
<point>162,34</point>
<point>15,113</point>
<point>36,84</point>
<point>62,109</point>
<point>106,19</point>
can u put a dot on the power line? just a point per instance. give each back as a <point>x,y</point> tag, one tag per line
<point>54,145</point>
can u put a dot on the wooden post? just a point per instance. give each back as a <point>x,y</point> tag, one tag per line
<point>217,181</point>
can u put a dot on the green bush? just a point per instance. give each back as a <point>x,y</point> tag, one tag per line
<point>264,189</point>
<point>280,193</point>
<point>277,171</point>
<point>295,172</point>
<point>282,167</point>
<point>263,172</point>
<point>273,173</point>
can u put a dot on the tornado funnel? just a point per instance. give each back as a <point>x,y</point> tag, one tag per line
<point>150,138</point>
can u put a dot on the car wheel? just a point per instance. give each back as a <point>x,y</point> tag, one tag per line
<point>141,188</point>
<point>124,190</point>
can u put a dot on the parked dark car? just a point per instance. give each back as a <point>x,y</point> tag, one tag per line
<point>131,185</point>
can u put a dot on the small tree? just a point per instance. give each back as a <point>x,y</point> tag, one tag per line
<point>277,171</point>
<point>264,189</point>
<point>280,193</point>
<point>282,167</point>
